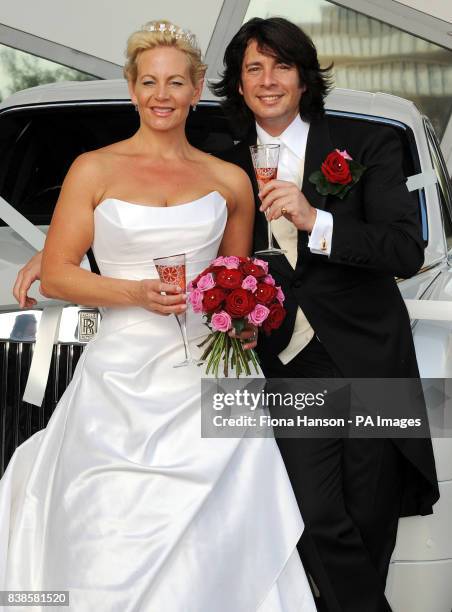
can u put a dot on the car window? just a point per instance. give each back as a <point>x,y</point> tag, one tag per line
<point>444,186</point>
<point>38,145</point>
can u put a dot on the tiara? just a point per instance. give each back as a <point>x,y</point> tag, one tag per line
<point>173,30</point>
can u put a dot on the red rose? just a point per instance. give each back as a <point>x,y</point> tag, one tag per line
<point>239,303</point>
<point>275,317</point>
<point>212,299</point>
<point>229,279</point>
<point>249,268</point>
<point>264,293</point>
<point>336,169</point>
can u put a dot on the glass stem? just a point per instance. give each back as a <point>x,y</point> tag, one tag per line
<point>270,235</point>
<point>182,322</point>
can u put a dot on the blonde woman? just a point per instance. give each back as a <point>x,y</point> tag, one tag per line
<point>119,500</point>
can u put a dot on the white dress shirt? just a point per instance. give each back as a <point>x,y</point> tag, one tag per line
<point>290,168</point>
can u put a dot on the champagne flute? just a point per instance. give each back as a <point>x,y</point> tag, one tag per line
<point>172,270</point>
<point>265,162</point>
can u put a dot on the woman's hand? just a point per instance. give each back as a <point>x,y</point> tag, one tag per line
<point>25,278</point>
<point>248,336</point>
<point>150,297</point>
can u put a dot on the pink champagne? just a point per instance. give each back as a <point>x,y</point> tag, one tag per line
<point>173,275</point>
<point>265,175</point>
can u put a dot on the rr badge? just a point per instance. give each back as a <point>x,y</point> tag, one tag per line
<point>88,321</point>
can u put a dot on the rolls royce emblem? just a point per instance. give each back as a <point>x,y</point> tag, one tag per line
<point>87,325</point>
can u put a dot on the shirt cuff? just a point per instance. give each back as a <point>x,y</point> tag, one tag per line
<point>322,233</point>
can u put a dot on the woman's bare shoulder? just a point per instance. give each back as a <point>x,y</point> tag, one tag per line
<point>99,162</point>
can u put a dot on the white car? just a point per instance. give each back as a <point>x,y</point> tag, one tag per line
<point>44,128</point>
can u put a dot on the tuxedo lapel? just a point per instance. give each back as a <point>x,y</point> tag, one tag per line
<point>318,146</point>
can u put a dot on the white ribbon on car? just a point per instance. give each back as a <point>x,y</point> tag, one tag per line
<point>431,310</point>
<point>421,180</point>
<point>22,226</point>
<point>51,315</point>
<point>42,355</point>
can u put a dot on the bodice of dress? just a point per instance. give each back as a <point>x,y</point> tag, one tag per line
<point>127,236</point>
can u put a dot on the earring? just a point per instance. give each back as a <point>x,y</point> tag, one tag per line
<point>194,107</point>
<point>136,107</point>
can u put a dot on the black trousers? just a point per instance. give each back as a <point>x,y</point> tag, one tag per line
<point>349,494</point>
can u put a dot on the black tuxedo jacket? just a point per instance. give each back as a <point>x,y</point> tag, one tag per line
<point>351,297</point>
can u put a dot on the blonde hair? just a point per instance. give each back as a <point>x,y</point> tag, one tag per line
<point>163,34</point>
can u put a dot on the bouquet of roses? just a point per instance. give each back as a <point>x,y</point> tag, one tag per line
<point>231,293</point>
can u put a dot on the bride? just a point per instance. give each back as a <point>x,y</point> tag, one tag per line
<point>119,500</point>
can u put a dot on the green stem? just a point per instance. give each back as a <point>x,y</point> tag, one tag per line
<point>208,337</point>
<point>244,357</point>
<point>226,354</point>
<point>212,339</point>
<point>239,357</point>
<point>213,358</point>
<point>254,359</point>
<point>219,353</point>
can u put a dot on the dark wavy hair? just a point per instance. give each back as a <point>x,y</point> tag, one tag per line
<point>289,44</point>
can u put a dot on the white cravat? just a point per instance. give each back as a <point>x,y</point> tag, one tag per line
<point>290,168</point>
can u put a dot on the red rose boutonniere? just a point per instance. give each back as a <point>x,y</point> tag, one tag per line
<point>338,173</point>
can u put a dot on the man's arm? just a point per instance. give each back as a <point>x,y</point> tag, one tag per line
<point>388,236</point>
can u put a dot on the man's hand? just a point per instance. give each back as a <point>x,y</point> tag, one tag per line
<point>25,278</point>
<point>248,336</point>
<point>282,198</point>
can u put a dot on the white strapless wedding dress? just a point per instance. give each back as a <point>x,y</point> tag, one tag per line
<point>119,500</point>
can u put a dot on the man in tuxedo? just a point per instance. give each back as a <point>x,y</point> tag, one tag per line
<point>345,315</point>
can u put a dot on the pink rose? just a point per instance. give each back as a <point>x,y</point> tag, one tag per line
<point>280,295</point>
<point>195,298</point>
<point>206,282</point>
<point>250,282</point>
<point>344,154</point>
<point>231,262</point>
<point>260,262</point>
<point>190,286</point>
<point>258,315</point>
<point>219,261</point>
<point>221,321</point>
<point>269,280</point>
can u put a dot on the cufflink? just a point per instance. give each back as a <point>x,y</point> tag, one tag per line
<point>323,244</point>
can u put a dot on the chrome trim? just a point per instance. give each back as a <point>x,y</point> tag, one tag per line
<point>18,419</point>
<point>444,184</point>
<point>72,104</point>
<point>371,118</point>
<point>428,290</point>
<point>21,326</point>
